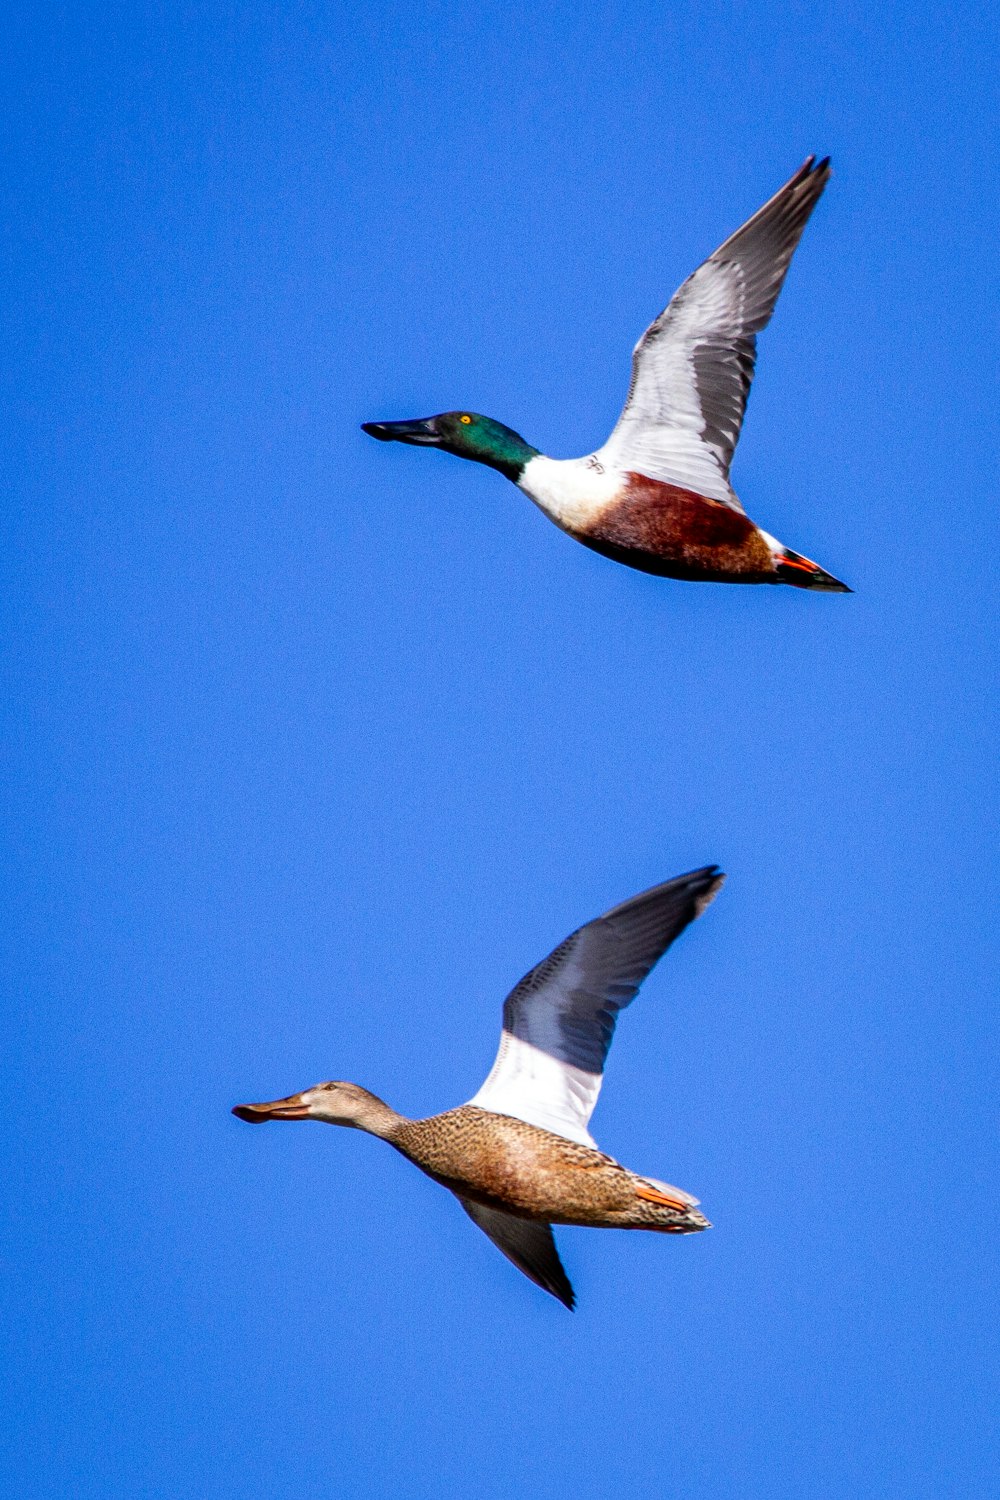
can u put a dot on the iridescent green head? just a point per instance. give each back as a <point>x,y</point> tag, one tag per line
<point>465,433</point>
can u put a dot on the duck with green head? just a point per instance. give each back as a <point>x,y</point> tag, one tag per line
<point>657,495</point>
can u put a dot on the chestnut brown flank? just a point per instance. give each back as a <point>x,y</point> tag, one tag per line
<point>660,528</point>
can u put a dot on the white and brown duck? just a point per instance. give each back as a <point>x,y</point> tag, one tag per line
<point>657,495</point>
<point>519,1155</point>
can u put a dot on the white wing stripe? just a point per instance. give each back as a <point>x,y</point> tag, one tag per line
<point>533,1086</point>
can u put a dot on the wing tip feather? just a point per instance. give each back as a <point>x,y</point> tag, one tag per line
<point>710,892</point>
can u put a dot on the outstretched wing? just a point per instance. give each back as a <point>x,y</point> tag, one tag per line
<point>559,1021</point>
<point>529,1244</point>
<point>692,368</point>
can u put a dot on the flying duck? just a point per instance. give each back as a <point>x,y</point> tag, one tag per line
<point>657,495</point>
<point>519,1156</point>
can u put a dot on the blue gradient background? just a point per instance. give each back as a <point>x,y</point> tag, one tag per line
<point>314,746</point>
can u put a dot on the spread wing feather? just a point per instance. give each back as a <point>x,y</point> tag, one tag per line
<point>529,1243</point>
<point>559,1020</point>
<point>692,368</point>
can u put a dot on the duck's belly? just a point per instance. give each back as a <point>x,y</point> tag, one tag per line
<point>659,528</point>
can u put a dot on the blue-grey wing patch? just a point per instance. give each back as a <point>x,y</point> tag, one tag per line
<point>568,1004</point>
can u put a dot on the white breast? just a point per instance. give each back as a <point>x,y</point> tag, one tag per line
<point>572,491</point>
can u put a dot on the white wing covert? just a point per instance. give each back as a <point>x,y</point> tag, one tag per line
<point>693,367</point>
<point>558,1022</point>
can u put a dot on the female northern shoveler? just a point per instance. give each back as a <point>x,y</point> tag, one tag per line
<point>519,1156</point>
<point>657,495</point>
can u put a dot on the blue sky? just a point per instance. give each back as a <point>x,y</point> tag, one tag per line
<point>314,746</point>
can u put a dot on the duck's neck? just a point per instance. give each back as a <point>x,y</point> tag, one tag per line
<point>510,458</point>
<point>373,1115</point>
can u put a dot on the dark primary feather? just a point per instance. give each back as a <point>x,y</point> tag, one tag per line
<point>529,1243</point>
<point>708,332</point>
<point>760,253</point>
<point>568,1004</point>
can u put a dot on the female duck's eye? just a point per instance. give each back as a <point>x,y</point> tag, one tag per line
<point>465,420</point>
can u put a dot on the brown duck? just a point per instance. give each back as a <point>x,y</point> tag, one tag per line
<point>519,1156</point>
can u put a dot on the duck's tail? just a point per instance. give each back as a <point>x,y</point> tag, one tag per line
<point>791,567</point>
<point>681,1214</point>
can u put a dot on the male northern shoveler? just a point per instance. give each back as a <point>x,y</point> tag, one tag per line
<point>519,1156</point>
<point>657,495</point>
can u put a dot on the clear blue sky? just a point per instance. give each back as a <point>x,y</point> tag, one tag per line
<point>314,746</point>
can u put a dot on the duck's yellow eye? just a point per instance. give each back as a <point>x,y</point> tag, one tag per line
<point>465,420</point>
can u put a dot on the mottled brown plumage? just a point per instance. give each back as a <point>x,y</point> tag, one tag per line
<point>519,1156</point>
<point>497,1160</point>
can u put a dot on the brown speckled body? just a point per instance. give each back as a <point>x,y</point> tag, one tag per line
<point>660,528</point>
<point>505,1163</point>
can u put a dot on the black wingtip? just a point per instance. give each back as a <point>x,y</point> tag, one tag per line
<point>704,884</point>
<point>812,174</point>
<point>561,1289</point>
<point>697,886</point>
<point>553,1279</point>
<point>710,892</point>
